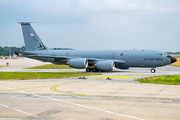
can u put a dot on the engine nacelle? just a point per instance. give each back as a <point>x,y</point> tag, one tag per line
<point>79,63</point>
<point>107,65</point>
<point>124,68</point>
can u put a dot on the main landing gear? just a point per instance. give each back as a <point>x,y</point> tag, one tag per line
<point>88,69</point>
<point>153,70</point>
<point>92,70</point>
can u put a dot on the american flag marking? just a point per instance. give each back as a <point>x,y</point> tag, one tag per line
<point>32,34</point>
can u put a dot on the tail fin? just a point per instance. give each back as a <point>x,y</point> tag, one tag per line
<point>31,39</point>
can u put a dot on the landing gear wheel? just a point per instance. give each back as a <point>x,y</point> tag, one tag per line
<point>88,69</point>
<point>94,69</point>
<point>153,70</point>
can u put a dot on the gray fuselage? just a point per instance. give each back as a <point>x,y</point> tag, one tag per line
<point>132,58</point>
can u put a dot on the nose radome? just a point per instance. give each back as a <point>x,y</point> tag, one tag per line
<point>172,59</point>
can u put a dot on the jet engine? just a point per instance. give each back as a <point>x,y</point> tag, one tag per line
<point>79,63</point>
<point>107,65</point>
<point>124,68</point>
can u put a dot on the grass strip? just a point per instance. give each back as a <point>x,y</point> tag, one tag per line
<point>164,79</point>
<point>50,66</point>
<point>175,65</point>
<point>40,75</point>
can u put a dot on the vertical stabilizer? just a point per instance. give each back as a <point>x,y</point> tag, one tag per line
<point>31,39</point>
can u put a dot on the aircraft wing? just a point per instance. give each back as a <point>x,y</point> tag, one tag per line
<point>96,60</point>
<point>90,60</point>
<point>119,61</point>
<point>47,56</point>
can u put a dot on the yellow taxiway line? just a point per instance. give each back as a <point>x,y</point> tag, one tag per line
<point>54,89</point>
<point>26,88</point>
<point>39,86</point>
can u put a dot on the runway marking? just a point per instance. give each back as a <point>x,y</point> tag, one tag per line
<point>35,94</point>
<point>124,77</point>
<point>26,88</point>
<point>7,87</point>
<point>4,106</point>
<point>110,112</point>
<point>21,91</point>
<point>76,105</point>
<point>18,110</point>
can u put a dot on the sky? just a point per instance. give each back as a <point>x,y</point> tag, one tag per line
<point>95,24</point>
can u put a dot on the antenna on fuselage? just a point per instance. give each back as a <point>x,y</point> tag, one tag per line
<point>27,22</point>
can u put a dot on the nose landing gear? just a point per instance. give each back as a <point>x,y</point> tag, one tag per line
<point>153,70</point>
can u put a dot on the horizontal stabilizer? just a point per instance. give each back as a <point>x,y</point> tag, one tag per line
<point>17,51</point>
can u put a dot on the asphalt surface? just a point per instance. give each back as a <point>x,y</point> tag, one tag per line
<point>94,98</point>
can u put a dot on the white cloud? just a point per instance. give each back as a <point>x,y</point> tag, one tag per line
<point>94,21</point>
<point>58,7</point>
<point>132,6</point>
<point>107,5</point>
<point>149,7</point>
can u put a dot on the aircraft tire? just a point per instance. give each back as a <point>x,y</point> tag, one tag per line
<point>94,70</point>
<point>153,70</point>
<point>88,69</point>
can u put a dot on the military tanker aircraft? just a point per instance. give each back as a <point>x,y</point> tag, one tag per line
<point>91,60</point>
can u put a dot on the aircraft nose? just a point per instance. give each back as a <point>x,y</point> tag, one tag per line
<point>172,59</point>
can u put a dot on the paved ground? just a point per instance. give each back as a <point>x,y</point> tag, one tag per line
<point>94,98</point>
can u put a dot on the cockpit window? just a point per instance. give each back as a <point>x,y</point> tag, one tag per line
<point>164,55</point>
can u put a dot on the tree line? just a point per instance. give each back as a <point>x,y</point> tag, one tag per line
<point>4,51</point>
<point>173,52</point>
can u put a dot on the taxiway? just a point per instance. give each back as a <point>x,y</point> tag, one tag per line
<point>92,98</point>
